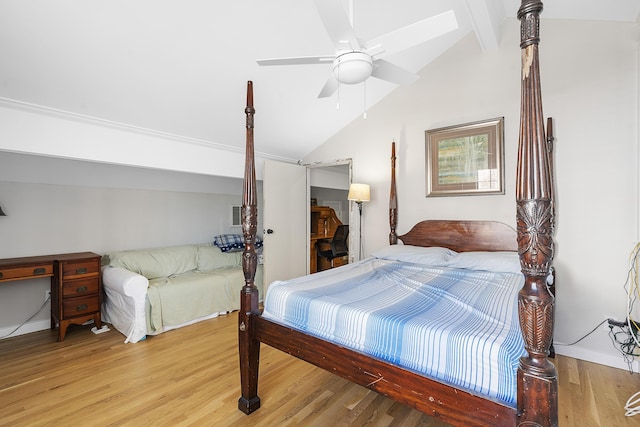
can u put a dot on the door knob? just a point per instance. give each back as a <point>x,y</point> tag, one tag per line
<point>269,231</point>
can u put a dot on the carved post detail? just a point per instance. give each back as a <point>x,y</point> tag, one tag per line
<point>249,347</point>
<point>393,199</point>
<point>249,199</point>
<point>535,226</point>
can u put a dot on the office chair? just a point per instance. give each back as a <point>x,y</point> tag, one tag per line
<point>339,244</point>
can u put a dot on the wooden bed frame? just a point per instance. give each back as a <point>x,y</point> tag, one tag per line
<point>536,379</point>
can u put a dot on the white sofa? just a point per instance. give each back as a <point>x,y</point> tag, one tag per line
<point>150,291</point>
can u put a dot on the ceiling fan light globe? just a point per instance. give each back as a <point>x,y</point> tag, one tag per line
<point>352,67</point>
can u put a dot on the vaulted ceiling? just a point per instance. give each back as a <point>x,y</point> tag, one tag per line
<point>180,67</point>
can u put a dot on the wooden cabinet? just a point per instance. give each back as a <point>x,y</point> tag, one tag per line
<point>75,291</point>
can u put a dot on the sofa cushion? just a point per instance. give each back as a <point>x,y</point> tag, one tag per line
<point>157,262</point>
<point>212,258</point>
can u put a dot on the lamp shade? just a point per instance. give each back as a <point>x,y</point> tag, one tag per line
<point>359,193</point>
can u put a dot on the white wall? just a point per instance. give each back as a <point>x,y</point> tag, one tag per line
<point>60,205</point>
<point>590,87</point>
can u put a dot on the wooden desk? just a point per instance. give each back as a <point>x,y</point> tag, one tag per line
<point>75,285</point>
<point>323,225</point>
<point>26,268</point>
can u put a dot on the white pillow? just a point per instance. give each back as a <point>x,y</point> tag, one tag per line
<point>501,262</point>
<point>415,254</point>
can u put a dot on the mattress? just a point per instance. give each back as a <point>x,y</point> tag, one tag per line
<point>456,325</point>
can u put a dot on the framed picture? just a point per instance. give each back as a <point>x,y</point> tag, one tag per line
<point>466,159</point>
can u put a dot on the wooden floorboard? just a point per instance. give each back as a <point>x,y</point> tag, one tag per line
<point>189,377</point>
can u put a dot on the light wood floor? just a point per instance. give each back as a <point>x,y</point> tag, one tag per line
<point>190,377</point>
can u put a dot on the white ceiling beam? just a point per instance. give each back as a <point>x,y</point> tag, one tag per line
<point>486,19</point>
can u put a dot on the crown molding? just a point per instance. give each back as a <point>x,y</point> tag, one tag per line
<point>96,121</point>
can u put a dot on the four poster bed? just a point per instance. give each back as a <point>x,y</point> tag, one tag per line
<point>469,367</point>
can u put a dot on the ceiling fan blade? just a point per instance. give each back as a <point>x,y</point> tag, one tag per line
<point>337,24</point>
<point>329,87</point>
<point>414,34</point>
<point>392,73</point>
<point>325,59</point>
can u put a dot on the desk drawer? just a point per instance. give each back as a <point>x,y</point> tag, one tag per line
<point>79,306</point>
<point>80,287</point>
<point>85,268</point>
<point>34,271</point>
<point>343,260</point>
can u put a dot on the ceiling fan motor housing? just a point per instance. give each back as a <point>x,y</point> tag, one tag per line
<point>352,67</point>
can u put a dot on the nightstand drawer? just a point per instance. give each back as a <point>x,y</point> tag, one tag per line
<point>15,273</point>
<point>72,270</point>
<point>80,287</point>
<point>78,306</point>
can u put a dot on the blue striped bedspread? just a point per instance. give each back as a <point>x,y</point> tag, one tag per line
<point>454,325</point>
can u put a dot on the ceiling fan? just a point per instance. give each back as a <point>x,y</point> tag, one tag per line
<point>355,61</point>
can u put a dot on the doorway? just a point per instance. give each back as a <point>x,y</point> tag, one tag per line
<point>327,195</point>
<point>287,212</point>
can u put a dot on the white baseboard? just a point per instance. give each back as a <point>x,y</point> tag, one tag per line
<point>27,328</point>
<point>595,357</point>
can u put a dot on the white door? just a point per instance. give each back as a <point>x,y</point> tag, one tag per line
<point>285,221</point>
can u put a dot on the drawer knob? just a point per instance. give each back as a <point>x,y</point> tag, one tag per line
<point>81,289</point>
<point>81,307</point>
<point>81,270</point>
<point>39,270</point>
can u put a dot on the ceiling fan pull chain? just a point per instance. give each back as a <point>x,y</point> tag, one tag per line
<point>364,116</point>
<point>351,14</point>
<point>338,103</point>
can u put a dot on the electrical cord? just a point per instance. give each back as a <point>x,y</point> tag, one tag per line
<point>631,285</point>
<point>629,346</point>
<point>626,348</point>
<point>632,277</point>
<point>584,336</point>
<point>632,407</point>
<point>629,407</point>
<point>30,317</point>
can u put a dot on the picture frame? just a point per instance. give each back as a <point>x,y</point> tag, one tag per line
<point>466,159</point>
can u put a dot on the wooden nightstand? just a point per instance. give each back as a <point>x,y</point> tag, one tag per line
<point>75,291</point>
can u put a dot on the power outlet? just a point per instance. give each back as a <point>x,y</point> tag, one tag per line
<point>47,295</point>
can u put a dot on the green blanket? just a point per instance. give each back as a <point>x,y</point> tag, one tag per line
<point>178,299</point>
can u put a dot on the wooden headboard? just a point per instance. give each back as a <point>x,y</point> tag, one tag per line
<point>463,236</point>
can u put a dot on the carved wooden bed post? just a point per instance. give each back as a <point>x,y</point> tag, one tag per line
<point>249,346</point>
<point>393,199</point>
<point>537,377</point>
